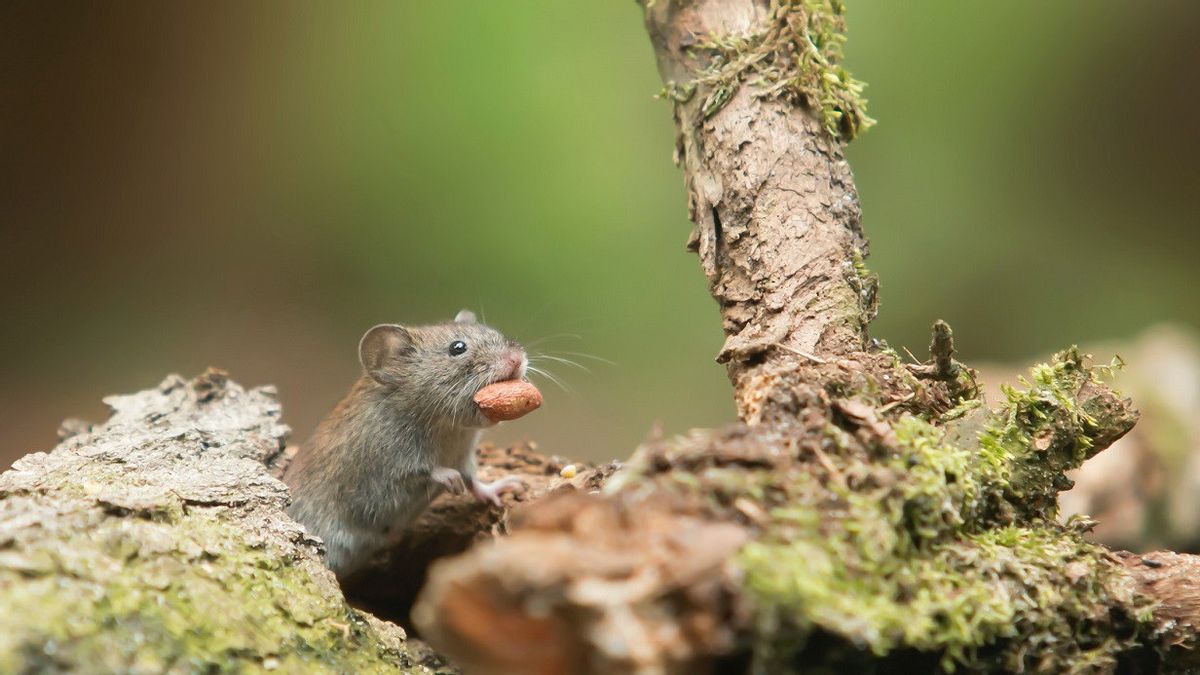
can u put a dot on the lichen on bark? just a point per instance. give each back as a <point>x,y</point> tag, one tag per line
<point>157,542</point>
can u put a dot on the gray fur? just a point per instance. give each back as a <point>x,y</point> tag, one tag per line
<point>368,471</point>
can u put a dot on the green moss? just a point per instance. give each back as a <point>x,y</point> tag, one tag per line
<point>961,410</point>
<point>1029,593</point>
<point>945,488</point>
<point>924,540</point>
<point>1053,425</point>
<point>795,54</point>
<point>866,287</point>
<point>131,594</point>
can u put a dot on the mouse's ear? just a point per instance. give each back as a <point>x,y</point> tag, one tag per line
<point>379,345</point>
<point>465,316</point>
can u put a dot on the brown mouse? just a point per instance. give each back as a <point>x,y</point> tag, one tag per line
<point>406,431</point>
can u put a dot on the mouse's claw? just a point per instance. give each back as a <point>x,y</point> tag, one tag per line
<point>450,479</point>
<point>490,492</point>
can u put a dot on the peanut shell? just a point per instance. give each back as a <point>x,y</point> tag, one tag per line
<point>503,401</point>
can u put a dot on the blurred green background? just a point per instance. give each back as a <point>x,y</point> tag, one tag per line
<point>251,185</point>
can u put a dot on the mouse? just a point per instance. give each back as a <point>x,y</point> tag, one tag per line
<point>406,432</point>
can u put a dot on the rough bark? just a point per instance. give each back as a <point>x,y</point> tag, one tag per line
<point>157,542</point>
<point>774,206</point>
<point>1173,581</point>
<point>662,571</point>
<point>865,514</point>
<point>1145,491</point>
<point>390,584</point>
<point>663,599</point>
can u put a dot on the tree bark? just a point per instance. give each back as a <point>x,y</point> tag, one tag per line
<point>388,587</point>
<point>776,214</point>
<point>808,535</point>
<point>157,542</point>
<point>864,514</point>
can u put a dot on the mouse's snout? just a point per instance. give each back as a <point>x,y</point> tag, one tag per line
<point>513,364</point>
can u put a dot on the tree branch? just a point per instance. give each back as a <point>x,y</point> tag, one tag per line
<point>865,514</point>
<point>774,205</point>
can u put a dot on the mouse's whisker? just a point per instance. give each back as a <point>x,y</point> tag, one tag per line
<point>461,396</point>
<point>548,376</point>
<point>564,361</point>
<point>589,356</point>
<point>547,338</point>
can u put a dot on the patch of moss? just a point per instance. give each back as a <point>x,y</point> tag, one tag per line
<point>866,286</point>
<point>130,594</point>
<point>1013,598</point>
<point>922,540</point>
<point>1053,425</point>
<point>795,54</point>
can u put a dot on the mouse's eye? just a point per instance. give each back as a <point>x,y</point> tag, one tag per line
<point>458,348</point>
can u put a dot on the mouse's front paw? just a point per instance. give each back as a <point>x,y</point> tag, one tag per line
<point>450,479</point>
<point>490,492</point>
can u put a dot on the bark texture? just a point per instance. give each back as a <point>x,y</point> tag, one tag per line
<point>866,514</point>
<point>848,539</point>
<point>776,214</point>
<point>157,542</point>
<point>388,587</point>
<point>1173,581</point>
<point>1145,491</point>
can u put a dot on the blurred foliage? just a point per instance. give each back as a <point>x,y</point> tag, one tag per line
<point>253,185</point>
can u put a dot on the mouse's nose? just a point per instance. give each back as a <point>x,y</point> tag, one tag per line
<point>515,362</point>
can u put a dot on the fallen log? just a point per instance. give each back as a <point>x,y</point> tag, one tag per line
<point>156,541</point>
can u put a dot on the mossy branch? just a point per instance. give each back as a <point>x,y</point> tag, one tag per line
<point>864,515</point>
<point>847,538</point>
<point>794,54</point>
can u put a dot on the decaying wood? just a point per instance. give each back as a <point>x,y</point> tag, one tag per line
<point>157,539</point>
<point>588,585</point>
<point>614,598</point>
<point>1173,580</point>
<point>639,578</point>
<point>1145,491</point>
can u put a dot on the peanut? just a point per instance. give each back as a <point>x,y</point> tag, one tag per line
<point>503,401</point>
